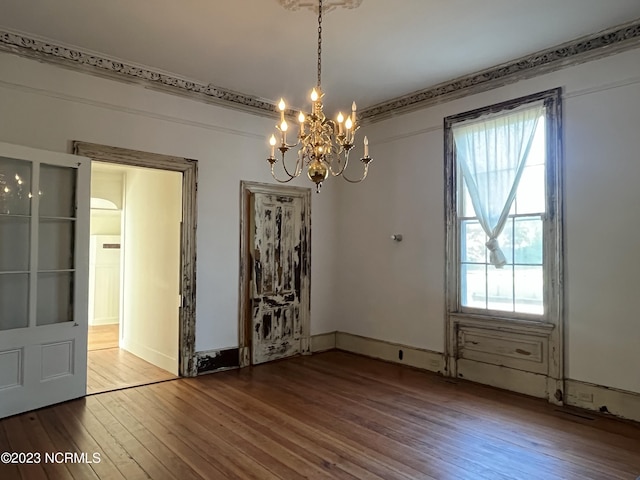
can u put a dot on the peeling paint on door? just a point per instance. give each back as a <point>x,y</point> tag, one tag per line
<point>278,239</point>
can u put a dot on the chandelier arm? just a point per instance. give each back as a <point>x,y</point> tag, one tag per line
<point>273,174</point>
<point>364,175</point>
<point>342,168</point>
<point>297,172</point>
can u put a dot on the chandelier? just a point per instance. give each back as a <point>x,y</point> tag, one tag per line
<point>324,143</point>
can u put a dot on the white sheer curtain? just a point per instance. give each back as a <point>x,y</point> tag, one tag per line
<point>492,153</point>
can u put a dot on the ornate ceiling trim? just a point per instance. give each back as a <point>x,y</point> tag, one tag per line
<point>77,59</point>
<point>608,42</point>
<point>605,43</point>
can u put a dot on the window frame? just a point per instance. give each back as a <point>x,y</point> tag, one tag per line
<point>552,224</point>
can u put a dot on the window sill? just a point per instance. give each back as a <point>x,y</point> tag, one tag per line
<point>504,324</point>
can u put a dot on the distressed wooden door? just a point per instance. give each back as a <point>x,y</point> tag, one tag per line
<point>279,272</point>
<point>44,263</point>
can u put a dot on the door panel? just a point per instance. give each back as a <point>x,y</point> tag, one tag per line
<point>277,243</point>
<point>44,227</point>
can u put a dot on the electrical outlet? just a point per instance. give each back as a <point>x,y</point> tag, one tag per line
<point>585,397</point>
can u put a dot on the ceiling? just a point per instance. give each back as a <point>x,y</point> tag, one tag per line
<point>378,51</point>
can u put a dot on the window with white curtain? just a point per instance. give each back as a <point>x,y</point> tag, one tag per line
<point>503,227</point>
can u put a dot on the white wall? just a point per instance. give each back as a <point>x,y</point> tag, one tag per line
<point>151,251</point>
<point>47,107</point>
<point>386,290</point>
<point>396,291</point>
<point>106,185</point>
<point>105,222</point>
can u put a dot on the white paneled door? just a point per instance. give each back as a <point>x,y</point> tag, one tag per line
<point>44,258</point>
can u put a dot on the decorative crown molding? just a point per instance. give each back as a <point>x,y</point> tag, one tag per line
<point>77,59</point>
<point>608,42</point>
<point>327,6</point>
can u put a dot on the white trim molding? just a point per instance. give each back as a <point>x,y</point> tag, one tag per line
<point>45,50</point>
<point>620,403</point>
<point>591,47</point>
<point>391,352</point>
<point>323,342</point>
<point>608,42</point>
<point>588,396</point>
<point>188,168</point>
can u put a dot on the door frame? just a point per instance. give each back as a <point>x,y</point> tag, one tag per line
<point>189,168</point>
<point>247,190</point>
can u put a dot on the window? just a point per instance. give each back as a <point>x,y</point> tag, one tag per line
<point>503,231</point>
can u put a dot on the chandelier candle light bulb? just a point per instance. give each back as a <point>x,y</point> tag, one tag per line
<point>272,142</point>
<point>325,148</point>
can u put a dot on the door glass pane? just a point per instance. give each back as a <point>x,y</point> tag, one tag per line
<point>15,187</point>
<point>57,191</point>
<point>55,298</point>
<point>14,300</point>
<point>14,244</point>
<point>55,245</point>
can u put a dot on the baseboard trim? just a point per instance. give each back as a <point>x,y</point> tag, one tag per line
<point>519,381</point>
<point>211,361</point>
<point>620,403</point>
<point>159,359</point>
<point>588,396</point>
<point>104,321</point>
<point>323,342</point>
<point>390,352</point>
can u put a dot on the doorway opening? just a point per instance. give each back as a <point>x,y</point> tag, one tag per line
<point>134,267</point>
<point>142,307</point>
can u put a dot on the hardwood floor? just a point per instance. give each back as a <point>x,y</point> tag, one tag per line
<point>332,415</point>
<point>103,336</point>
<point>114,368</point>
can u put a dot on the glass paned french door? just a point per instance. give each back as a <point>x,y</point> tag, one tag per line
<point>36,199</point>
<point>44,242</point>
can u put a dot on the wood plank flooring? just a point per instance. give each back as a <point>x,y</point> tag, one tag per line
<point>331,415</point>
<point>114,368</point>
<point>103,336</point>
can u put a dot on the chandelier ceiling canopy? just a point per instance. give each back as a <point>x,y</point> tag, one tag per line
<point>327,6</point>
<point>324,143</point>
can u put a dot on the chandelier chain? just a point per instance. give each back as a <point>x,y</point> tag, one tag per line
<point>324,144</point>
<point>319,42</point>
